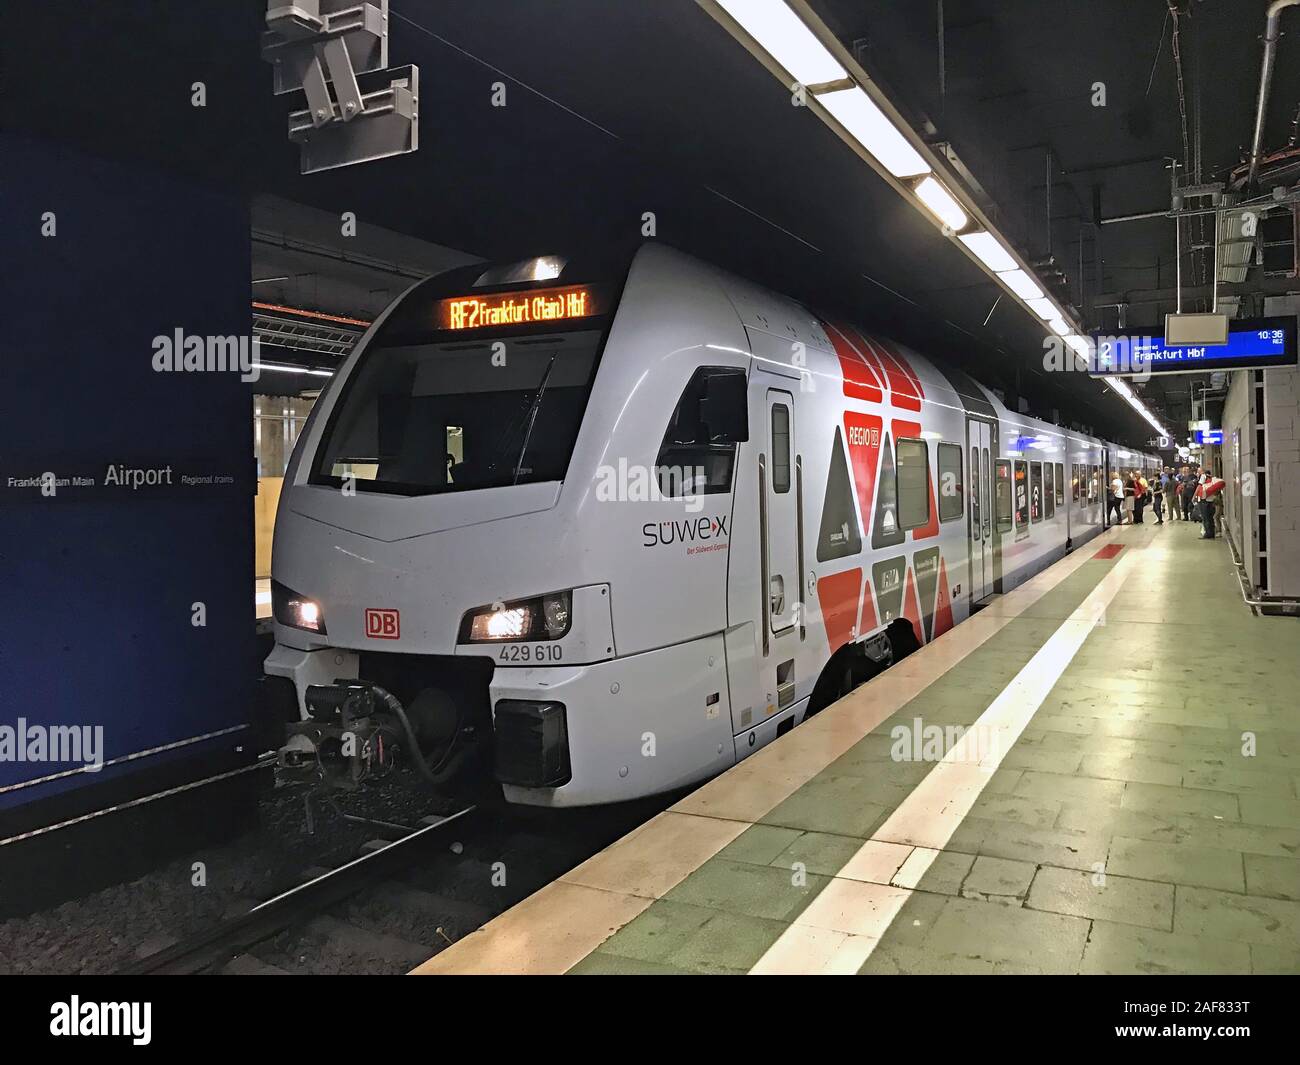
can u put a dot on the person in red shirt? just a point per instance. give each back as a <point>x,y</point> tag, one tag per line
<point>1208,492</point>
<point>1141,493</point>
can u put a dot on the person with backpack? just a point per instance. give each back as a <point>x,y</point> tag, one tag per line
<point>1208,493</point>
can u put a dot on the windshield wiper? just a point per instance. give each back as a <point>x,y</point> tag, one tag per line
<point>532,415</point>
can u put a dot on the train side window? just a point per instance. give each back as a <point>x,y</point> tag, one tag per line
<point>780,448</point>
<point>1020,476</point>
<point>1035,491</point>
<point>1049,490</point>
<point>913,484</point>
<point>975,531</point>
<point>690,462</point>
<point>1060,484</point>
<point>1002,493</point>
<point>1075,482</point>
<point>951,492</point>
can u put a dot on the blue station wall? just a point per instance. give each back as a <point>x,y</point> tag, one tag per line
<point>98,585</point>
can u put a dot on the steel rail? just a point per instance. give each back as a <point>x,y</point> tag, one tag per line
<point>222,942</point>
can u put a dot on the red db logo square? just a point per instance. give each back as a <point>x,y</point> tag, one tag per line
<point>383,624</point>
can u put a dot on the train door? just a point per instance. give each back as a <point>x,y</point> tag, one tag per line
<point>1106,475</point>
<point>780,545</point>
<point>979,440</point>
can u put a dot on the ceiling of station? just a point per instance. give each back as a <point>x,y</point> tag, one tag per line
<point>615,110</point>
<point>1014,88</point>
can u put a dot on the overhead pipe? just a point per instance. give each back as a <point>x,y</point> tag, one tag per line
<point>1272,32</point>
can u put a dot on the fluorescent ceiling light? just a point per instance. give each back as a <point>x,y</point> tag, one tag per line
<point>1080,344</point>
<point>292,369</point>
<point>1058,326</point>
<point>867,124</point>
<point>783,35</point>
<point>941,203</point>
<point>988,250</point>
<point>1044,309</point>
<point>1021,284</point>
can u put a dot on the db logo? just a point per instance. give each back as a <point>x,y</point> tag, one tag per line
<point>383,624</point>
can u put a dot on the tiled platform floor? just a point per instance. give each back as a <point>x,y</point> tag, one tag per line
<point>1101,816</point>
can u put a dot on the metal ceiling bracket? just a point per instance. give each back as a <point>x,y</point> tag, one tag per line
<point>390,127</point>
<point>321,47</point>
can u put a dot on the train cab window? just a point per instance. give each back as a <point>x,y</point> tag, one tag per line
<point>780,448</point>
<point>951,491</point>
<point>691,461</point>
<point>913,484</point>
<point>428,411</point>
<point>1035,491</point>
<point>1002,490</point>
<point>1049,490</point>
<point>1060,485</point>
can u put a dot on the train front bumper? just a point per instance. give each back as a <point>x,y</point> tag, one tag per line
<point>630,727</point>
<point>583,735</point>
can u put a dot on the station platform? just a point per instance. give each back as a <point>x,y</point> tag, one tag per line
<point>1123,800</point>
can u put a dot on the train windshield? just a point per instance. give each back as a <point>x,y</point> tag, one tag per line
<point>439,408</point>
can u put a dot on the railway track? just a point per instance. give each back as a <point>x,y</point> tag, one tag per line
<point>410,892</point>
<point>232,944</point>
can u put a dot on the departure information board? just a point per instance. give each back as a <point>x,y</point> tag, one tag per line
<point>503,309</point>
<point>1256,343</point>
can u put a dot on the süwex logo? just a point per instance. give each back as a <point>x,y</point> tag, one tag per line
<point>121,1019</point>
<point>684,531</point>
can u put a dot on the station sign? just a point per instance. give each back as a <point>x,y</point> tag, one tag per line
<point>505,309</point>
<point>78,478</point>
<point>1256,343</point>
<point>1209,436</point>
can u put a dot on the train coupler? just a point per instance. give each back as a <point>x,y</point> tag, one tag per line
<point>344,741</point>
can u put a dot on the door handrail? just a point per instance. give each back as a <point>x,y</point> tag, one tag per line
<point>798,491</point>
<point>763,558</point>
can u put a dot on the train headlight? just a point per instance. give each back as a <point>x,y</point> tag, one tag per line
<point>543,617</point>
<point>296,611</point>
<point>509,623</point>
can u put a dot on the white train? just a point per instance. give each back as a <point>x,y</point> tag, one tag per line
<point>603,540</point>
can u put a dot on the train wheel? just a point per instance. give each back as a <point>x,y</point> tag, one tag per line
<point>837,680</point>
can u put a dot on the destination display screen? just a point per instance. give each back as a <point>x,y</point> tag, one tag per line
<point>1257,343</point>
<point>539,306</point>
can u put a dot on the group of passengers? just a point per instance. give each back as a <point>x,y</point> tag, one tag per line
<point>1189,494</point>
